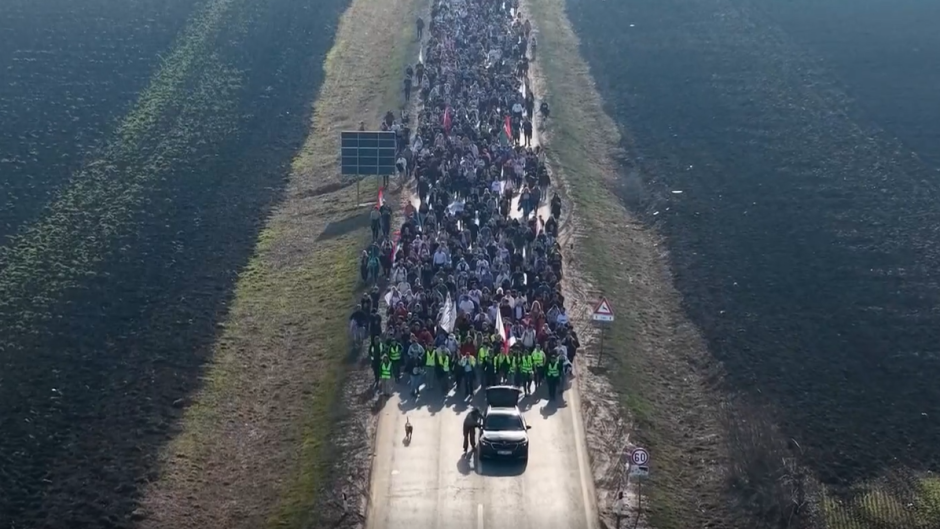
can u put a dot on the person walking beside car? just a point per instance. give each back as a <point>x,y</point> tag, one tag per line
<point>471,422</point>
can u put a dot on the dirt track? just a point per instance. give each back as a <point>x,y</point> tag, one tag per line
<point>804,238</point>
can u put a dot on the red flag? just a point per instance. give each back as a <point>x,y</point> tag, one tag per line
<point>447,120</point>
<point>507,126</point>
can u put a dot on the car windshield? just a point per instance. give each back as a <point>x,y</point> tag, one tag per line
<point>501,423</point>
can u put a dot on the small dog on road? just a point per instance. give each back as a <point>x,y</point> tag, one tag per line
<point>408,429</point>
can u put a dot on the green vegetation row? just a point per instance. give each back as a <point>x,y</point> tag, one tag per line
<point>77,230</point>
<point>111,300</point>
<point>71,70</point>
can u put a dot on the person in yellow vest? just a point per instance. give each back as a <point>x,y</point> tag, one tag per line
<point>538,366</point>
<point>394,354</point>
<point>430,367</point>
<point>513,359</point>
<point>485,359</point>
<point>502,367</point>
<point>467,366</point>
<point>443,369</point>
<point>525,372</point>
<point>553,375</point>
<point>385,375</point>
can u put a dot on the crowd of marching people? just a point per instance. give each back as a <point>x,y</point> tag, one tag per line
<point>474,274</point>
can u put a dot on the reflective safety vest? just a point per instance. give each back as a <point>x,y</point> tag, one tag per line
<point>526,364</point>
<point>430,359</point>
<point>553,370</point>
<point>538,357</point>
<point>483,353</point>
<point>444,361</point>
<point>513,364</point>
<point>375,351</point>
<point>394,352</point>
<point>386,370</point>
<point>470,364</point>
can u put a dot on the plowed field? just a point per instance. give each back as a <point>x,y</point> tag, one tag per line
<point>140,158</point>
<point>788,151</point>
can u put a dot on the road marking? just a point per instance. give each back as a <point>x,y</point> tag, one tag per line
<point>480,516</point>
<point>586,479</point>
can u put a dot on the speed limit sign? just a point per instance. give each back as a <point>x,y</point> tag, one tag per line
<point>640,457</point>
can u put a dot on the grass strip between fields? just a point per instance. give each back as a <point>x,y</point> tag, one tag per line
<point>272,391</point>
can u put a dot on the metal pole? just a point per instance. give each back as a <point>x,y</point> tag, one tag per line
<point>639,501</point>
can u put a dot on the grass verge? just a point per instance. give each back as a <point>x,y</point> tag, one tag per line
<point>654,359</point>
<point>255,448</point>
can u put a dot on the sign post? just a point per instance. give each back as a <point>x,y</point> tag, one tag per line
<point>603,316</point>
<point>368,153</point>
<point>638,460</point>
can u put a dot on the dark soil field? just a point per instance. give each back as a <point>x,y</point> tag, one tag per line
<point>70,70</point>
<point>788,150</point>
<point>112,296</point>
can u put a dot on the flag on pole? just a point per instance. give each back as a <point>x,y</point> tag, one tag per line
<point>397,245</point>
<point>503,331</point>
<point>447,120</point>
<point>447,315</point>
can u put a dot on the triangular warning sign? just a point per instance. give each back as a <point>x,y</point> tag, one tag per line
<point>603,308</point>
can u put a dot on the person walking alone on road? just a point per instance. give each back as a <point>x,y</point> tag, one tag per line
<point>471,422</point>
<point>419,26</point>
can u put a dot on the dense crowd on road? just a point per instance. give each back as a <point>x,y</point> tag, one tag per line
<point>474,273</point>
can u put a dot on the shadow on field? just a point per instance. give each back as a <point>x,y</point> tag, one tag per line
<point>88,399</point>
<point>804,239</point>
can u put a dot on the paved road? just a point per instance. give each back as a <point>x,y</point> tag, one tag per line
<point>429,483</point>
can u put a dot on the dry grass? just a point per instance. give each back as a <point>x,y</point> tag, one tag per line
<point>255,448</point>
<point>654,358</point>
